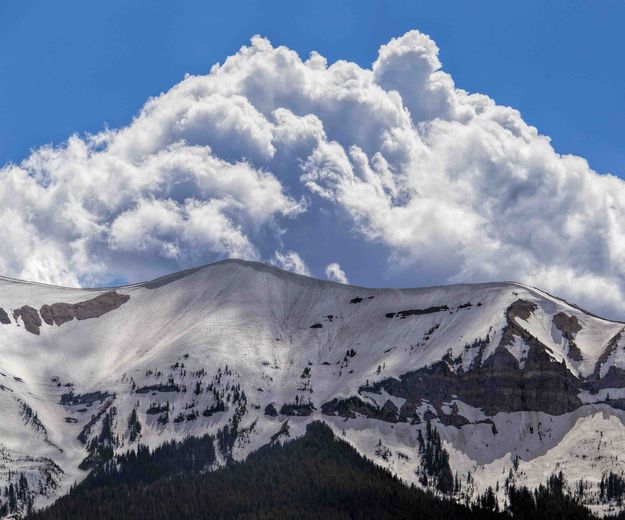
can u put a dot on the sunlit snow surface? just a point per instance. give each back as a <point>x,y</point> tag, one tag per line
<point>256,321</point>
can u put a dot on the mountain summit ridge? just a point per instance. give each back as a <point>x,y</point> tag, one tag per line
<point>514,380</point>
<point>254,264</point>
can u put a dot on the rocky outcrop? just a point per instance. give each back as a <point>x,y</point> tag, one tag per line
<point>30,318</point>
<point>389,411</point>
<point>567,325</point>
<point>59,313</point>
<point>298,410</point>
<point>408,413</point>
<point>574,351</point>
<point>454,418</point>
<point>498,385</point>
<point>270,410</point>
<point>416,312</point>
<point>611,346</point>
<point>522,309</point>
<point>351,408</point>
<point>359,299</point>
<point>100,305</point>
<point>614,378</point>
<point>355,407</point>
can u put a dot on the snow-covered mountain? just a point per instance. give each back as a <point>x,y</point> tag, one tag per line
<point>518,383</point>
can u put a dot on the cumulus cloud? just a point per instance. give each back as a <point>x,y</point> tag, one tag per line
<point>290,261</point>
<point>335,273</point>
<point>228,164</point>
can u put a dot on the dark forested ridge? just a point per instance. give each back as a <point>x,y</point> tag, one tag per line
<point>316,476</point>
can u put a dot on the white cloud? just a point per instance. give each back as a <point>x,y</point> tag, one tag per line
<point>290,261</point>
<point>227,164</point>
<point>335,273</point>
<point>410,65</point>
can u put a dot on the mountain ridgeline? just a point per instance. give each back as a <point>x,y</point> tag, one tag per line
<point>497,397</point>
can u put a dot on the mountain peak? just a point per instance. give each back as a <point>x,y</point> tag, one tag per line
<point>240,347</point>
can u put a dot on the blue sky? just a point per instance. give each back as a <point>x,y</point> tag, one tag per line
<point>68,67</point>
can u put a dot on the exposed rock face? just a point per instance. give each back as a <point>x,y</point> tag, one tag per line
<point>30,318</point>
<point>99,305</point>
<point>352,408</point>
<point>298,410</point>
<point>499,385</point>
<point>574,352</point>
<point>609,349</point>
<point>359,299</point>
<point>416,312</point>
<point>270,410</point>
<point>614,378</point>
<point>355,407</point>
<point>454,418</point>
<point>389,411</point>
<point>408,413</point>
<point>59,313</point>
<point>520,309</point>
<point>568,325</point>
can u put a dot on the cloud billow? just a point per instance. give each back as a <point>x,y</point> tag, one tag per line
<point>335,273</point>
<point>224,164</point>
